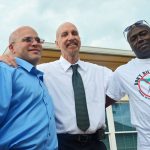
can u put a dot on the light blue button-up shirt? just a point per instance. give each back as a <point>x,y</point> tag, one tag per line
<point>26,110</point>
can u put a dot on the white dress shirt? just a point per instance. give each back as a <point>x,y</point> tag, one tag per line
<point>58,79</point>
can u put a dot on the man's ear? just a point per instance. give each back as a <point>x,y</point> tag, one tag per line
<point>11,48</point>
<point>57,45</point>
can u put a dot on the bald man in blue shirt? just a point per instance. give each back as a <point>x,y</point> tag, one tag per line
<point>26,110</point>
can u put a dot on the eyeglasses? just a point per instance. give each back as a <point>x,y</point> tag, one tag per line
<point>31,39</point>
<point>136,24</point>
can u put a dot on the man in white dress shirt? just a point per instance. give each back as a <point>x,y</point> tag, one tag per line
<point>58,79</point>
<point>133,79</point>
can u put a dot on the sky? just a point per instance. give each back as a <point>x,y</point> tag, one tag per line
<point>100,22</point>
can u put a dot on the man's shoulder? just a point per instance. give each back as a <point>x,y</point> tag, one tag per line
<point>89,64</point>
<point>95,66</point>
<point>5,66</point>
<point>127,66</point>
<point>48,65</point>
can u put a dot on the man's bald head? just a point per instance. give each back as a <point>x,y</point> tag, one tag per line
<point>61,26</point>
<point>16,34</point>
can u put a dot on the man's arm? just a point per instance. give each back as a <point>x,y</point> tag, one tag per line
<point>5,91</point>
<point>8,59</point>
<point>109,101</point>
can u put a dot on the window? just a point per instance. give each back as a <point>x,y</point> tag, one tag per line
<point>121,135</point>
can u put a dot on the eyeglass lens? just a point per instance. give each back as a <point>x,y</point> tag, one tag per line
<point>30,39</point>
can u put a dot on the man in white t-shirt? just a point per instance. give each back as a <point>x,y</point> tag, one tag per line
<point>133,79</point>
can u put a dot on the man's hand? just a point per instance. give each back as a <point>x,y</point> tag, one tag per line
<point>8,59</point>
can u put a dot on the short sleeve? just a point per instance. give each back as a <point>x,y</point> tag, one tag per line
<point>115,88</point>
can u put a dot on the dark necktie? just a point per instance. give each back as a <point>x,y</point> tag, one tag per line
<point>80,100</point>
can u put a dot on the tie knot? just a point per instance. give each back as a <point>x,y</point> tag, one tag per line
<point>74,67</point>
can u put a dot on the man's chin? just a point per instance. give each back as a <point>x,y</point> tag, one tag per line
<point>35,60</point>
<point>145,55</point>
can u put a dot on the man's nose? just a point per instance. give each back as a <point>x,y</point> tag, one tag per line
<point>70,36</point>
<point>35,42</point>
<point>139,38</point>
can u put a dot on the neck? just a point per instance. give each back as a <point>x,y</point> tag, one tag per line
<point>72,59</point>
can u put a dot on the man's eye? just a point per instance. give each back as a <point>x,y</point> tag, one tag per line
<point>64,34</point>
<point>38,39</point>
<point>74,33</point>
<point>27,39</point>
<point>132,39</point>
<point>143,33</point>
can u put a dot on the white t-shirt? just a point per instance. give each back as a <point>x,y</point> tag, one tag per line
<point>133,79</point>
<point>58,79</point>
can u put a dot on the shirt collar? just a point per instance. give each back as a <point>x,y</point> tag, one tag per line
<point>66,65</point>
<point>24,64</point>
<point>29,67</point>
